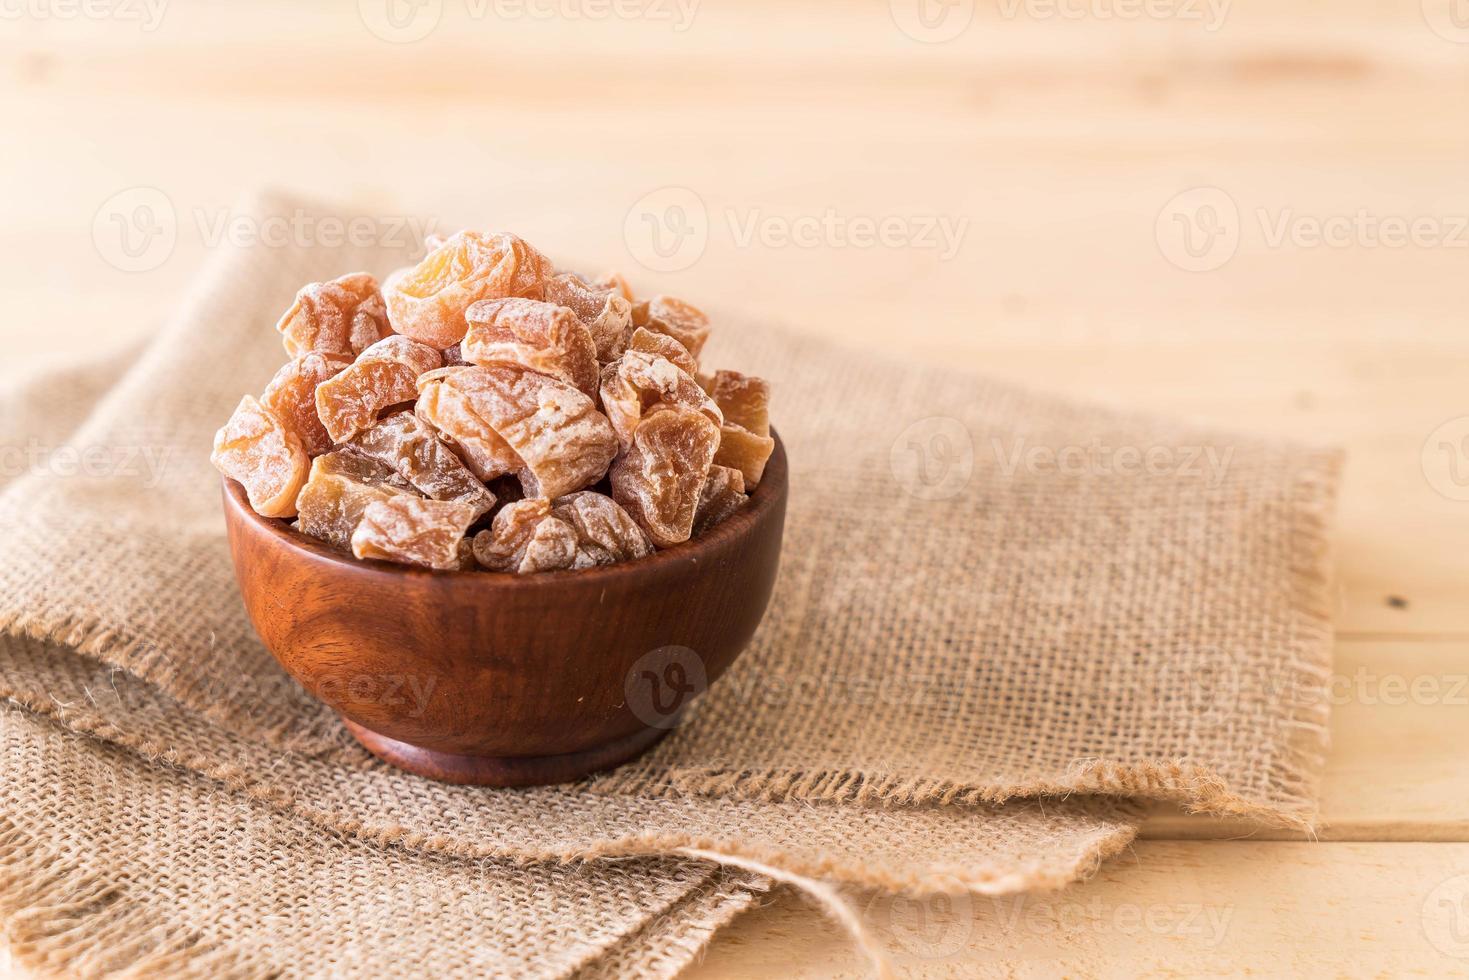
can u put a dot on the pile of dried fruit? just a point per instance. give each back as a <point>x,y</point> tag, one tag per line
<point>485,410</point>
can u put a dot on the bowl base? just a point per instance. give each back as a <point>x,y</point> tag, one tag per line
<point>516,770</point>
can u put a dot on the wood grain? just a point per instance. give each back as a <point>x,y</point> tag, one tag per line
<point>1060,140</point>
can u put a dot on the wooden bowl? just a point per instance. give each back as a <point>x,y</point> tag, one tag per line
<point>510,680</point>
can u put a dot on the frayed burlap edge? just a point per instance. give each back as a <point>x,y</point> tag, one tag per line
<point>679,938</point>
<point>254,786</point>
<point>67,921</point>
<point>1294,773</point>
<point>118,646</point>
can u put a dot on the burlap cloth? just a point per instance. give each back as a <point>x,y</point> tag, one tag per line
<point>985,594</point>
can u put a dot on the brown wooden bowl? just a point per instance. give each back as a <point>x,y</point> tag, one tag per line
<point>510,680</point>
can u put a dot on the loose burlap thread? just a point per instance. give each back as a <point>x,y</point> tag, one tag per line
<point>979,600</point>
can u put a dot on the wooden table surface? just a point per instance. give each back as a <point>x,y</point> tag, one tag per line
<point>1251,213</point>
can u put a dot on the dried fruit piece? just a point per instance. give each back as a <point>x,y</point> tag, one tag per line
<point>259,451</point>
<point>454,356</point>
<point>341,486</point>
<point>384,375</point>
<point>744,451</point>
<point>411,448</point>
<point>415,531</point>
<point>291,395</point>
<point>556,439</point>
<point>452,413</point>
<point>682,321</point>
<point>605,532</point>
<point>615,282</point>
<point>606,313</point>
<point>744,399</point>
<point>579,530</point>
<point>525,538</point>
<point>427,302</point>
<point>343,317</point>
<point>723,493</point>
<point>639,383</point>
<point>745,442</point>
<point>542,337</point>
<point>646,341</point>
<point>659,477</point>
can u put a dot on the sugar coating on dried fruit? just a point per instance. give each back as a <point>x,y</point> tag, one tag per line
<point>605,311</point>
<point>525,538</point>
<point>451,411</point>
<point>385,374</point>
<point>558,439</point>
<point>723,493</point>
<point>616,282</point>
<point>605,532</point>
<point>639,383</point>
<point>579,530</point>
<point>427,301</point>
<point>410,446</point>
<point>682,321</point>
<point>341,486</point>
<point>646,341</point>
<point>542,337</point>
<point>414,530</point>
<point>343,317</point>
<point>658,479</point>
<point>261,452</point>
<point>291,395</point>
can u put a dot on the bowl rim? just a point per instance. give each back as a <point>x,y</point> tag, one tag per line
<point>764,499</point>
